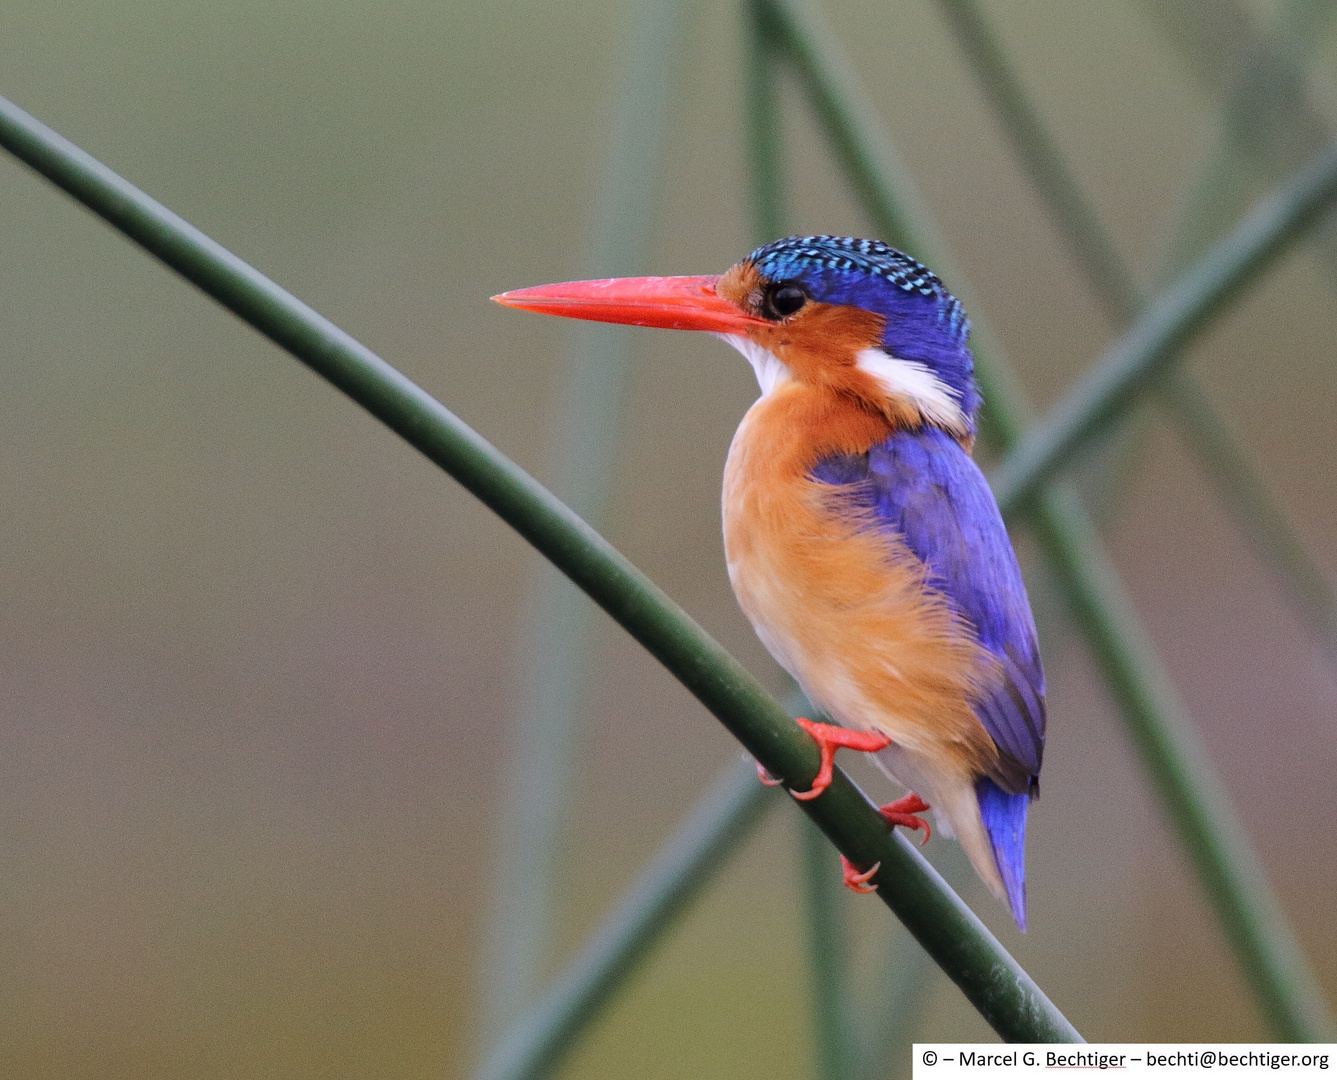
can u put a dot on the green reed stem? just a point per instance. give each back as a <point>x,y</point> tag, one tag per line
<point>704,841</point>
<point>1171,320</point>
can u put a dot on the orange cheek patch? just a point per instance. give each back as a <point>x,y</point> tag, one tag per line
<point>830,333</point>
<point>821,343</point>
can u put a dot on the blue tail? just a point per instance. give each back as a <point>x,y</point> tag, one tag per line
<point>1004,818</point>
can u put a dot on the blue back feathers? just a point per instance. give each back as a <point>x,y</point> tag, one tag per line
<point>924,489</point>
<point>925,322</point>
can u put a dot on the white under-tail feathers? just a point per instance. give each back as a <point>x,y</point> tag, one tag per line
<point>956,808</point>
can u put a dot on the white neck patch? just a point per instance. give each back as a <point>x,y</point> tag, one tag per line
<point>768,368</point>
<point>936,401</point>
<point>909,379</point>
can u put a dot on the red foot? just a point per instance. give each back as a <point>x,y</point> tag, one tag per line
<point>901,812</point>
<point>829,738</point>
<point>856,881</point>
<point>766,778</point>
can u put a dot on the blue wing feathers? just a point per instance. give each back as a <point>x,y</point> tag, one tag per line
<point>924,487</point>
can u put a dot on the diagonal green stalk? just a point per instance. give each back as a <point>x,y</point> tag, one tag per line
<point>1253,504</point>
<point>556,656</point>
<point>1274,115</point>
<point>1138,359</point>
<point>1078,223</point>
<point>828,942</point>
<point>1284,986</point>
<point>1254,924</point>
<point>765,169</point>
<point>1270,121</point>
<point>990,978</point>
<point>1247,498</point>
<point>721,821</point>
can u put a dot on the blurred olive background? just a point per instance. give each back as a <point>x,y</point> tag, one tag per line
<point>261,660</point>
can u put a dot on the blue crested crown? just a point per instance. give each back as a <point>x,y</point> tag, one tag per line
<point>924,322</point>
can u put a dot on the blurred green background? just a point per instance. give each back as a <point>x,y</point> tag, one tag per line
<point>261,660</point>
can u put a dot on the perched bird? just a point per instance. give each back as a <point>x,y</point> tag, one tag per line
<point>862,541</point>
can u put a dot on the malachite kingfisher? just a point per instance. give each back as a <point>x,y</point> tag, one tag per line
<point>862,540</point>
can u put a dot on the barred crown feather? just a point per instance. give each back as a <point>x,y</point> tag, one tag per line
<point>781,260</point>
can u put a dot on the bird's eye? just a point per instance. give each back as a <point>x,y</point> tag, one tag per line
<point>783,300</point>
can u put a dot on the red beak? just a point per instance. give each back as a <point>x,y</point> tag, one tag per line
<point>675,303</point>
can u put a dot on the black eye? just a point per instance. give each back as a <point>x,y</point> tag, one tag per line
<point>783,300</point>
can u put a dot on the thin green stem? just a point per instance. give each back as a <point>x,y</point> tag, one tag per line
<point>556,651</point>
<point>1077,221</point>
<point>827,942</point>
<point>900,995</point>
<point>703,843</point>
<point>1196,801</point>
<point>1269,121</point>
<point>1255,926</point>
<point>1136,361</point>
<point>899,1000</point>
<point>989,977</point>
<point>763,128</point>
<point>1262,521</point>
<point>843,110</point>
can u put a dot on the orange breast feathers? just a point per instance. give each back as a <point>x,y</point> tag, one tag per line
<point>842,607</point>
